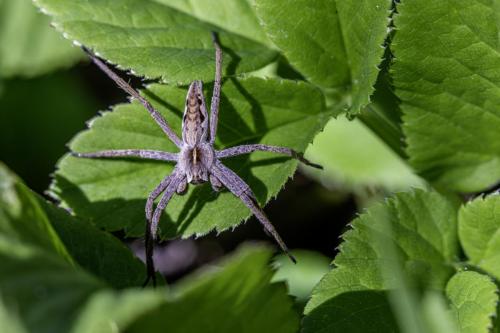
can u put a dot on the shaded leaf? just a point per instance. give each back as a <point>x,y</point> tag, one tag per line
<point>473,299</point>
<point>479,232</point>
<point>45,291</point>
<point>152,39</point>
<point>23,220</point>
<point>32,112</point>
<point>235,297</point>
<point>112,193</point>
<point>37,277</point>
<point>447,76</point>
<point>28,219</point>
<point>423,232</point>
<point>28,46</point>
<point>98,252</point>
<point>335,44</point>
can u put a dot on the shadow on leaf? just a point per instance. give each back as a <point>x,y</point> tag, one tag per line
<point>357,311</point>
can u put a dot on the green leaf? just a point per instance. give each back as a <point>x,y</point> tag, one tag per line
<point>23,220</point>
<point>98,252</point>
<point>365,161</point>
<point>335,44</point>
<point>473,299</point>
<point>28,219</point>
<point>302,276</point>
<point>237,297</point>
<point>37,277</point>
<point>219,299</point>
<point>45,290</point>
<point>236,16</point>
<point>112,311</point>
<point>436,314</point>
<point>28,46</point>
<point>112,193</point>
<point>447,76</point>
<point>9,321</point>
<point>479,232</point>
<point>152,39</point>
<point>47,293</point>
<point>421,226</point>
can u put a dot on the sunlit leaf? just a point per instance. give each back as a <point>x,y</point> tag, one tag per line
<point>447,74</point>
<point>365,162</point>
<point>422,227</point>
<point>302,276</point>
<point>236,16</point>
<point>479,231</point>
<point>152,39</point>
<point>335,44</point>
<point>473,299</point>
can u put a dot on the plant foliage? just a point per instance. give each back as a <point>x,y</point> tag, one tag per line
<point>423,76</point>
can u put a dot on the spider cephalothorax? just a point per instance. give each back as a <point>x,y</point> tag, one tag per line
<point>197,160</point>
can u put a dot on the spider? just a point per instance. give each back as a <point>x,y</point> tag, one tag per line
<point>197,161</point>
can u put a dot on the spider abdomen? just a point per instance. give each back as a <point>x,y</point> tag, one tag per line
<point>195,119</point>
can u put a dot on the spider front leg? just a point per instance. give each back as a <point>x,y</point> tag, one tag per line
<point>239,188</point>
<point>158,118</point>
<point>139,153</point>
<point>247,149</point>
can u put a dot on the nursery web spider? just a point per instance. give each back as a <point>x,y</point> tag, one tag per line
<point>197,161</point>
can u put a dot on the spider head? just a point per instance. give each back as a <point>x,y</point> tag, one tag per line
<point>195,119</point>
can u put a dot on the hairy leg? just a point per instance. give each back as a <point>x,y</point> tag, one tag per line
<point>135,94</point>
<point>149,243</point>
<point>247,149</point>
<point>152,225</point>
<point>153,195</point>
<point>214,105</point>
<point>241,189</point>
<point>215,182</point>
<point>139,153</point>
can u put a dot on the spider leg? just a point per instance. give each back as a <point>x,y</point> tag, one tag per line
<point>135,94</point>
<point>152,225</point>
<point>214,105</point>
<point>150,271</point>
<point>246,149</point>
<point>215,182</point>
<point>239,188</point>
<point>145,154</point>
